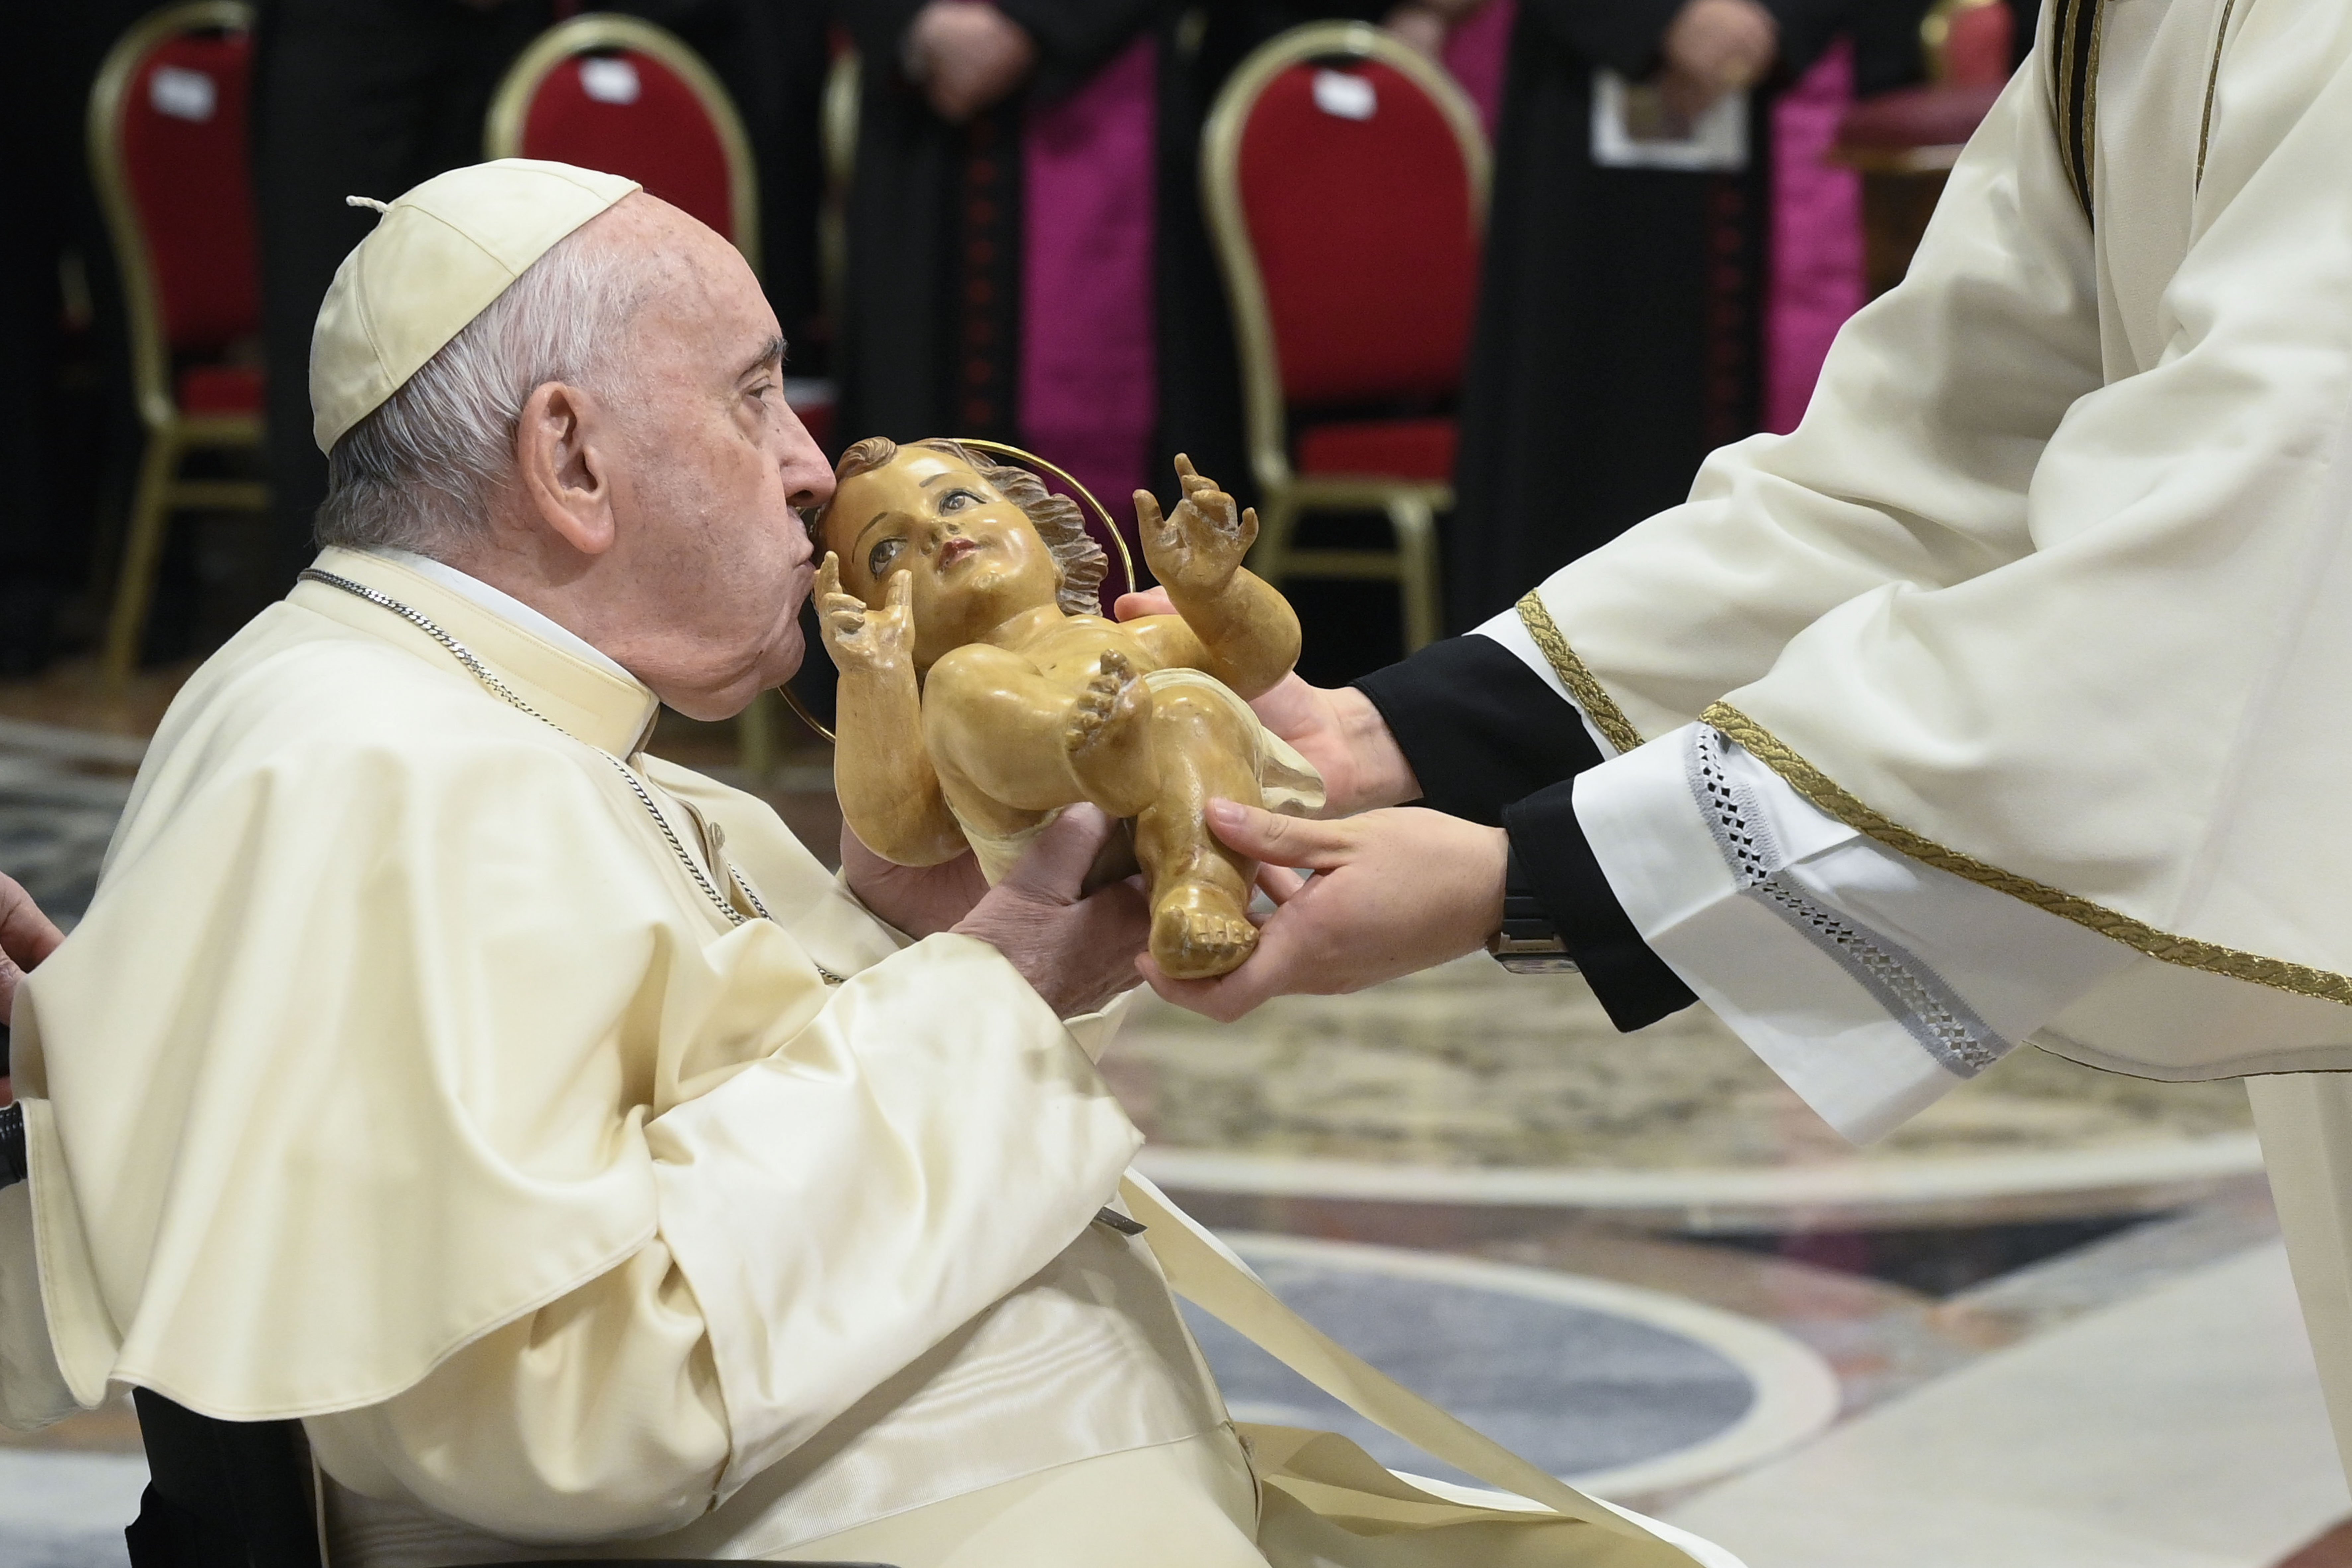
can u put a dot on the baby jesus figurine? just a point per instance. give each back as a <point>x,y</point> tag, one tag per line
<point>981,690</point>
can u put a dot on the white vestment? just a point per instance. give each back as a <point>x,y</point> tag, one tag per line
<point>2002,699</point>
<point>425,1070</point>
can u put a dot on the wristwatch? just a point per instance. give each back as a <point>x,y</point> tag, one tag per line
<point>1528,944</point>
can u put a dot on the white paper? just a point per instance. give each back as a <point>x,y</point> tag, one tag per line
<point>1345,95</point>
<point>608,79</point>
<point>1632,129</point>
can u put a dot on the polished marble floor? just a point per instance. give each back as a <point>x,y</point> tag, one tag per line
<point>2045,1323</point>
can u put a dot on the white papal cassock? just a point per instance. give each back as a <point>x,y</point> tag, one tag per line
<point>2006,698</point>
<point>405,1077</point>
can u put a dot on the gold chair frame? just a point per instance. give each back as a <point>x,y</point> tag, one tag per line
<point>171,434</point>
<point>1411,505</point>
<point>1936,33</point>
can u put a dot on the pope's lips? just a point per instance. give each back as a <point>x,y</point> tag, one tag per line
<point>957,549</point>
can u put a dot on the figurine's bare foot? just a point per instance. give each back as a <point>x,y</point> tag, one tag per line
<point>1200,930</point>
<point>1109,738</point>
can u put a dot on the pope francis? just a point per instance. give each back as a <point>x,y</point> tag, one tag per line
<point>586,1170</point>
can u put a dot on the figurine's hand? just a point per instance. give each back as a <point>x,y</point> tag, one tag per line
<point>858,638</point>
<point>1197,548</point>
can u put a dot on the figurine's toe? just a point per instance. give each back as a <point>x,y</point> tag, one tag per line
<point>1197,934</point>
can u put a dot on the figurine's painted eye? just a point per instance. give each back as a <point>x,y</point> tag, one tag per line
<point>958,501</point>
<point>879,559</point>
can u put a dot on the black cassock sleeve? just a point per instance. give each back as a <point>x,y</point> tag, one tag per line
<point>1492,742</point>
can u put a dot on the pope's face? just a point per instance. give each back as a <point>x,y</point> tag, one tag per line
<point>698,593</point>
<point>976,558</point>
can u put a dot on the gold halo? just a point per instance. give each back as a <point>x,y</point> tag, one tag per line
<point>1027,459</point>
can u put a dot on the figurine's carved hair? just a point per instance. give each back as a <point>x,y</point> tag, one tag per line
<point>1057,519</point>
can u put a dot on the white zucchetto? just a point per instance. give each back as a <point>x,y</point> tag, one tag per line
<point>441,254</point>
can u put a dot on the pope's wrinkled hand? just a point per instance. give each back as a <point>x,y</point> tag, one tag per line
<point>26,937</point>
<point>1077,952</point>
<point>1394,891</point>
<point>921,901</point>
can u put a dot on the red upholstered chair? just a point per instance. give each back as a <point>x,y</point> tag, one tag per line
<point>625,97</point>
<point>1969,43</point>
<point>1966,46</point>
<point>1345,178</point>
<point>168,155</point>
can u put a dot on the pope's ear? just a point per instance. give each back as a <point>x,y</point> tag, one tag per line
<point>560,447</point>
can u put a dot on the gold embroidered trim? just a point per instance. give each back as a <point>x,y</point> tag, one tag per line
<point>2212,82</point>
<point>2187,952</point>
<point>2076,28</point>
<point>1598,706</point>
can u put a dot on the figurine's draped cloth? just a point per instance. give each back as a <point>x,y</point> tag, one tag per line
<point>1287,781</point>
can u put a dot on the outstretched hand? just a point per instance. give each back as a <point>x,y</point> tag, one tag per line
<point>1197,548</point>
<point>1077,952</point>
<point>1395,891</point>
<point>26,937</point>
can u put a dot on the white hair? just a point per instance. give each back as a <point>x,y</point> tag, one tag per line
<point>421,471</point>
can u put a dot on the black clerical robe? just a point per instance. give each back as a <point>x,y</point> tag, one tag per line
<point>931,333</point>
<point>1618,337</point>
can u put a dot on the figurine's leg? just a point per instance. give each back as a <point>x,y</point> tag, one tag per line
<point>1109,738</point>
<point>995,728</point>
<point>1199,889</point>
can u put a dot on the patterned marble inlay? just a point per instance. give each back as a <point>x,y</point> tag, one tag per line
<point>1468,1066</point>
<point>60,793</point>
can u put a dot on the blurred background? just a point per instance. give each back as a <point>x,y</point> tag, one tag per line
<point>1453,291</point>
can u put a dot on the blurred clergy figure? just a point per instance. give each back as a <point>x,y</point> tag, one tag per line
<point>1667,260</point>
<point>1026,257</point>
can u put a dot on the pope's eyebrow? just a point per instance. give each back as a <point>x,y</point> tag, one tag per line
<point>771,352</point>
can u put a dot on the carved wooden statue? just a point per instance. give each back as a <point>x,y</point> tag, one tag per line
<point>981,691</point>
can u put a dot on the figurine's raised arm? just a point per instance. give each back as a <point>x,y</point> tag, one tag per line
<point>1228,621</point>
<point>889,790</point>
